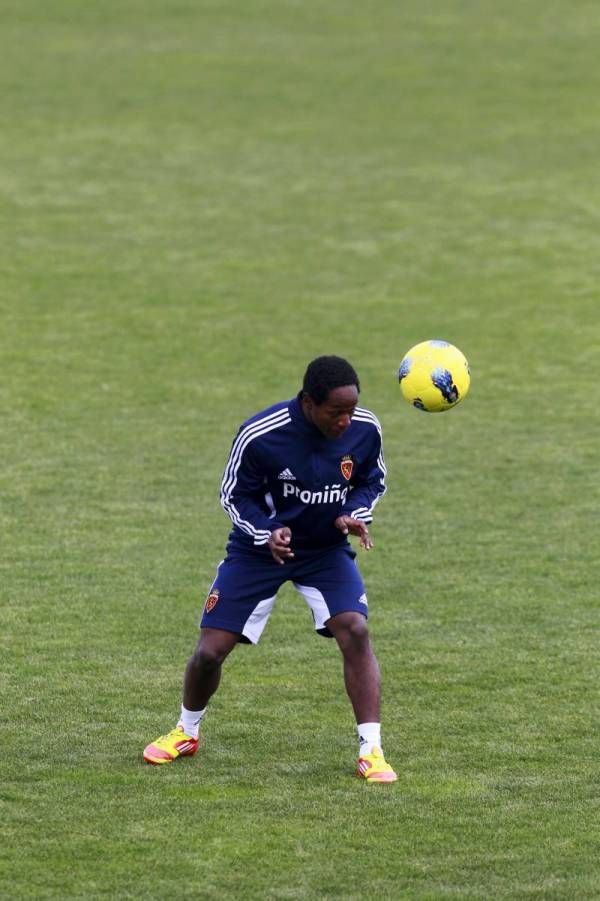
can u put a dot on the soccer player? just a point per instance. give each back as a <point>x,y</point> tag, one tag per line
<point>301,477</point>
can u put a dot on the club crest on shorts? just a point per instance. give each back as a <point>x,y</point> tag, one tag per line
<point>211,600</point>
<point>347,465</point>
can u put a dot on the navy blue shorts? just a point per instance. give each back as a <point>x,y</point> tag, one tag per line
<point>243,594</point>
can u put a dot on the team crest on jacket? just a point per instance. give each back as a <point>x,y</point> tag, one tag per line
<point>211,600</point>
<point>347,465</point>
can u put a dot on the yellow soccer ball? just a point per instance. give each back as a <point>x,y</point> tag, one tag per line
<point>434,376</point>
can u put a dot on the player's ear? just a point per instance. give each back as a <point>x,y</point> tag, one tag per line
<point>307,400</point>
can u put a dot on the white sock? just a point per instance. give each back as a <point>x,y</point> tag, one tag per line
<point>369,736</point>
<point>190,720</point>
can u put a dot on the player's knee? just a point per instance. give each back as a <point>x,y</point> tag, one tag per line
<point>206,660</point>
<point>353,636</point>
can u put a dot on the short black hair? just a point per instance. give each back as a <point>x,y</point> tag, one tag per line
<point>326,373</point>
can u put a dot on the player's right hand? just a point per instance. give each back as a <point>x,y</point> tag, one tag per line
<point>279,544</point>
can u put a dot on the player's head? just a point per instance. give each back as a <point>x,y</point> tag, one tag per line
<point>326,373</point>
<point>329,394</point>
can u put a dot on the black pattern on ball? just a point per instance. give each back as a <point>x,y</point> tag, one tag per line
<point>442,379</point>
<point>404,368</point>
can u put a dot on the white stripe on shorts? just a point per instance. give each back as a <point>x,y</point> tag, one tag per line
<point>316,602</point>
<point>256,622</point>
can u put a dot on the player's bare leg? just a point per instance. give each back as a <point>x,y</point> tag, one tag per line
<point>203,670</point>
<point>201,680</point>
<point>361,670</point>
<point>363,684</point>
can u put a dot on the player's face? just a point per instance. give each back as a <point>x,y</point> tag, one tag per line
<point>334,415</point>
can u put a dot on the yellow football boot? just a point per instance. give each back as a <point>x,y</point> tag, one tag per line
<point>169,747</point>
<point>373,767</point>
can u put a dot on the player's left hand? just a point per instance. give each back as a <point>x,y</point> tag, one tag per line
<point>347,524</point>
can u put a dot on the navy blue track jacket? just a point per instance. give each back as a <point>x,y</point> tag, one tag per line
<point>282,471</point>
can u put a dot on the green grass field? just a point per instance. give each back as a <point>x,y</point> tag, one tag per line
<point>196,199</point>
